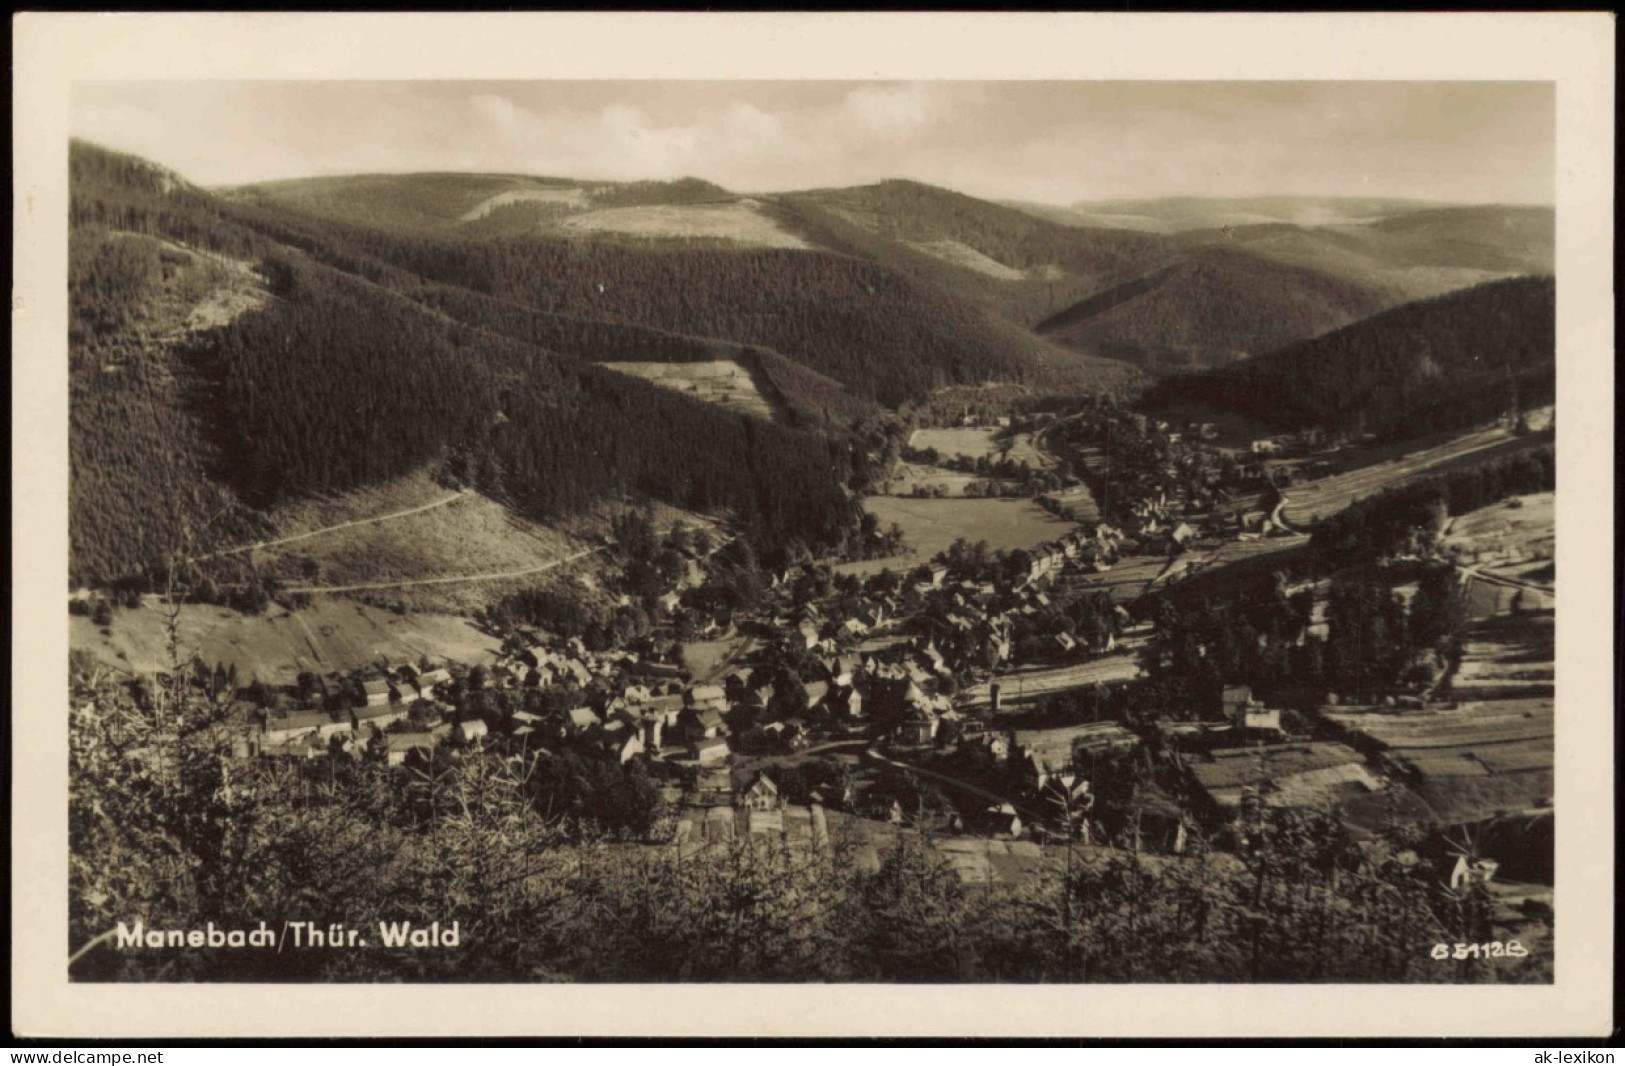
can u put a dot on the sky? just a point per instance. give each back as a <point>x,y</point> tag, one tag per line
<point>1053,142</point>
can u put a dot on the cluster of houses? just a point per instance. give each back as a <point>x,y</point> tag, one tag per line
<point>350,713</point>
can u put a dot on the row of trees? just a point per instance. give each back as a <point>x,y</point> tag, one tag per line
<point>1375,644</point>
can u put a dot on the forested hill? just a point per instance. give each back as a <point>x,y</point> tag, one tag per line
<point>1452,361</point>
<point>1212,306</point>
<point>225,357</point>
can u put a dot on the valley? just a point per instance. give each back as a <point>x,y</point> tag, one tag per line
<point>836,539</point>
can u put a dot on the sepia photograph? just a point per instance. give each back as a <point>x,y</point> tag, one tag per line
<point>816,531</point>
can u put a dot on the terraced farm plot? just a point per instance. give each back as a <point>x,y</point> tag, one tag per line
<point>1127,580</point>
<point>721,381</point>
<point>1510,657</point>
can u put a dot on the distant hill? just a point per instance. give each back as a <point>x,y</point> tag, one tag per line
<point>1454,360</point>
<point>1021,267</point>
<point>1410,256</point>
<point>488,204</point>
<point>1213,280</point>
<point>889,322</point>
<point>1179,214</point>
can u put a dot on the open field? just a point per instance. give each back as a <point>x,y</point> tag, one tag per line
<point>975,442</point>
<point>909,476</point>
<point>929,526</point>
<point>738,223</point>
<point>275,647</point>
<point>1517,533</point>
<point>470,535</point>
<point>971,442</point>
<point>415,530</point>
<point>721,381</point>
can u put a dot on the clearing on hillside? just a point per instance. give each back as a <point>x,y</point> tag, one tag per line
<point>721,381</point>
<point>275,647</point>
<point>963,255</point>
<point>412,529</point>
<point>568,196</point>
<point>738,223</point>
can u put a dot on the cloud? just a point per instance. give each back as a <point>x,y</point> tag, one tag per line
<point>890,110</point>
<point>509,119</point>
<point>638,147</point>
<point>752,130</point>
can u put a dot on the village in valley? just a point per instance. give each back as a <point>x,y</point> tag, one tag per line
<point>664,578</point>
<point>1003,704</point>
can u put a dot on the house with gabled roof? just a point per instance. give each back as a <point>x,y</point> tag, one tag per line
<point>761,795</point>
<point>377,716</point>
<point>709,750</point>
<point>580,721</point>
<point>402,746</point>
<point>281,728</point>
<point>429,681</point>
